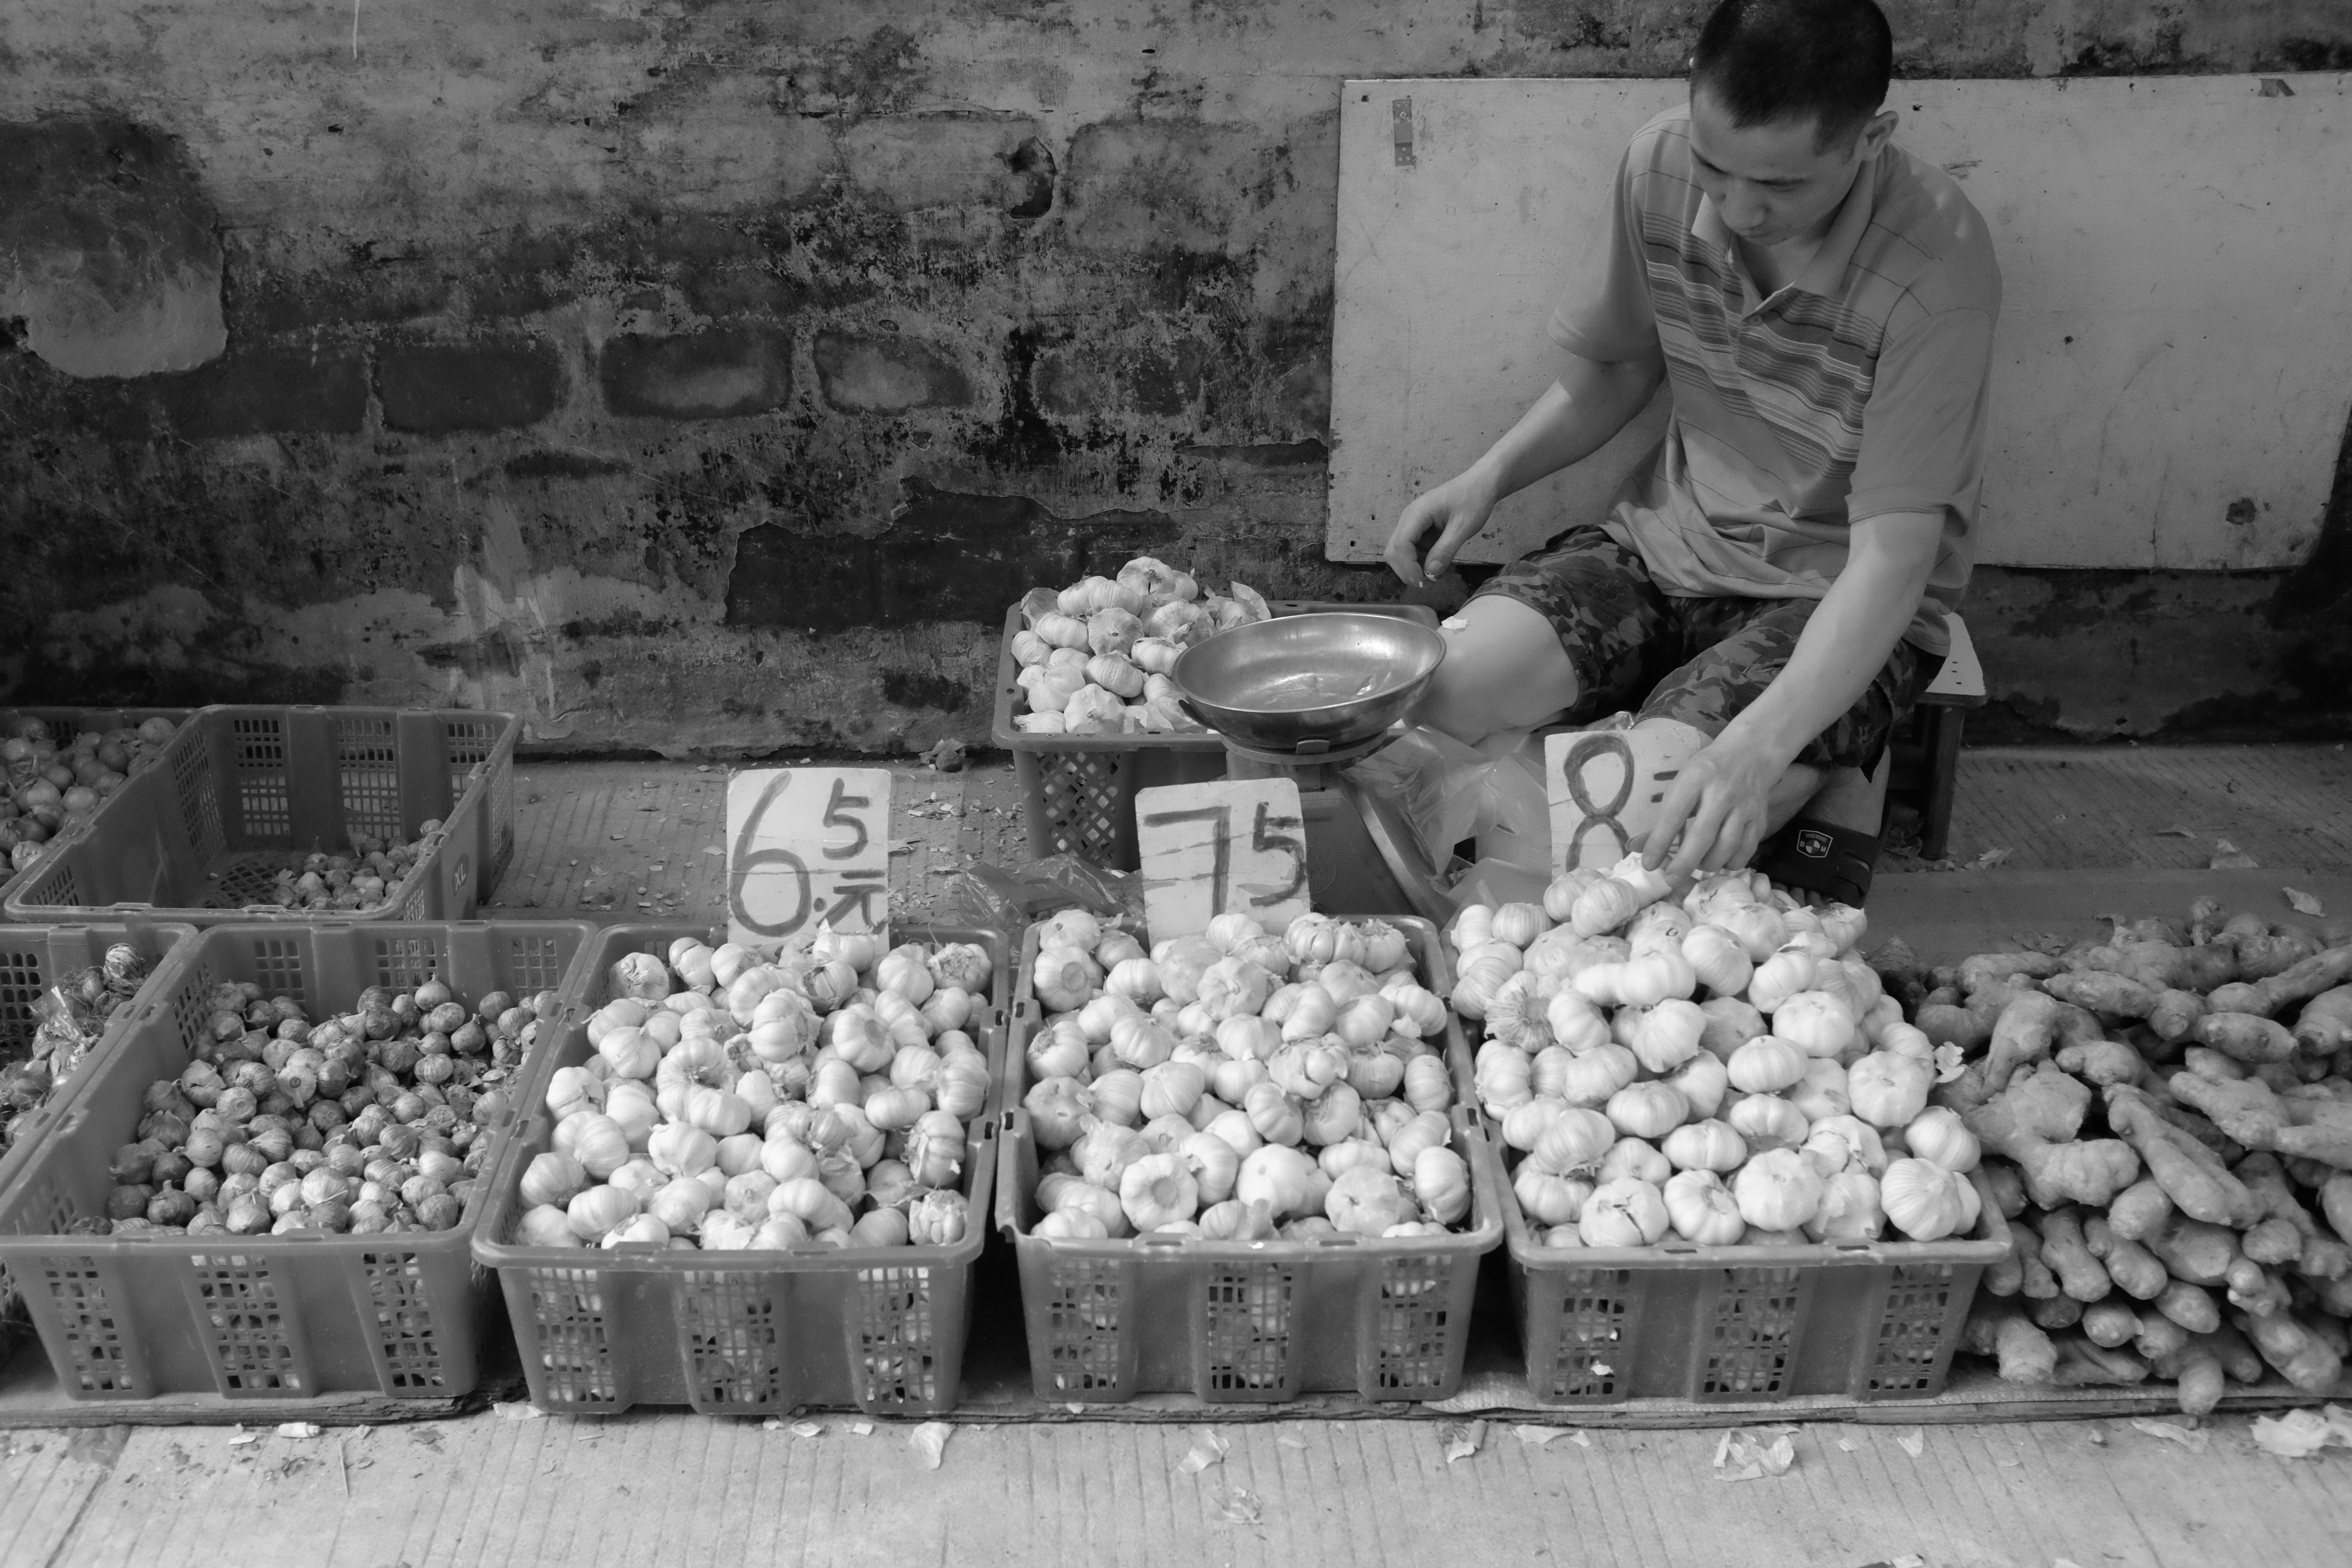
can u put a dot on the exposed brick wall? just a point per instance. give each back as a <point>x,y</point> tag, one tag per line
<point>710,376</point>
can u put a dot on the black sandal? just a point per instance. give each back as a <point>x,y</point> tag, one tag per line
<point>1822,857</point>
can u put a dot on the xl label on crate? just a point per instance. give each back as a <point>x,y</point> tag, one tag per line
<point>1228,846</point>
<point>805,845</point>
<point>1604,796</point>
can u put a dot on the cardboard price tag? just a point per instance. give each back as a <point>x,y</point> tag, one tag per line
<point>806,846</point>
<point>1603,798</point>
<point>1229,847</point>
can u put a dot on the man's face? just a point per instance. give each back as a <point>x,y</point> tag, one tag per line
<point>1774,183</point>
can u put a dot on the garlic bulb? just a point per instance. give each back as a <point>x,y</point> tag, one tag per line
<point>1622,1213</point>
<point>1776,1190</point>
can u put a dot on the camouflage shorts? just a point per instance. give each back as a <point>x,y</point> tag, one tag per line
<point>1698,660</point>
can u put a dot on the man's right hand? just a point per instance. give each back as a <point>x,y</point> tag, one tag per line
<point>1457,510</point>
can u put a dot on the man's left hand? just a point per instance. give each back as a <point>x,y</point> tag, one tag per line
<point>1716,807</point>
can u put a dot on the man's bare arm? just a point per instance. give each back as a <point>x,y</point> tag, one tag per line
<point>1590,402</point>
<point>1717,801</point>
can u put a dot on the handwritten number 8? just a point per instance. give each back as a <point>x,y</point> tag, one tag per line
<point>1609,744</point>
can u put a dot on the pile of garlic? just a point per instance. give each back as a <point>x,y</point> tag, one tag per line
<point>825,1097</point>
<point>1094,658</point>
<point>1721,1066</point>
<point>1239,1085</point>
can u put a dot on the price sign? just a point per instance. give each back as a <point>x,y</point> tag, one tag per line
<point>1230,847</point>
<point>1603,799</point>
<point>806,846</point>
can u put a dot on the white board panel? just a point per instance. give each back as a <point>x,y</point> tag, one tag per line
<point>2176,256</point>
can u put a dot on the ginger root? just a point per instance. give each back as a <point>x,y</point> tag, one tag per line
<point>2325,1025</point>
<point>2106,993</point>
<point>2101,1062</point>
<point>2175,1015</point>
<point>2293,1351</point>
<point>2079,1274</point>
<point>2082,1362</point>
<point>2139,1210</point>
<point>2246,1037</point>
<point>2289,1236</point>
<point>2160,1336</point>
<point>2252,1112</point>
<point>2197,1375</point>
<point>2059,1312</point>
<point>2023,1351</point>
<point>2033,1122</point>
<point>2134,1268</point>
<point>2191,1306</point>
<point>2195,1251</point>
<point>1980,969</point>
<point>2301,981</point>
<point>2192,1175</point>
<point>2110,1324</point>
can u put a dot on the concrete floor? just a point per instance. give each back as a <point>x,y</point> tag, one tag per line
<point>624,841</point>
<point>682,1490</point>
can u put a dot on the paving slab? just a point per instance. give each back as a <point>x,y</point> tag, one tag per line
<point>667,1489</point>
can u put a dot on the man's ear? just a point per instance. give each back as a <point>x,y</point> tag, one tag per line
<point>1876,132</point>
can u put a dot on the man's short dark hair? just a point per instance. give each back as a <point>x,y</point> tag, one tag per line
<point>1772,61</point>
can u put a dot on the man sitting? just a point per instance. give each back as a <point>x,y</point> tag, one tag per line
<point>1771,589</point>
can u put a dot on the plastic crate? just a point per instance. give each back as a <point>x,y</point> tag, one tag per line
<point>241,792</point>
<point>1079,791</point>
<point>1867,1321</point>
<point>1245,1322</point>
<point>65,723</point>
<point>34,958</point>
<point>737,1333</point>
<point>263,1317</point>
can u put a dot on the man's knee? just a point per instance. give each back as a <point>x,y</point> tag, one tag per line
<point>1503,669</point>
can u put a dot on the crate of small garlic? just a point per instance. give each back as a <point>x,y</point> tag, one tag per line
<point>259,813</point>
<point>751,1182</point>
<point>1727,1184</point>
<point>1236,1165</point>
<point>1084,704</point>
<point>264,1185</point>
<point>59,764</point>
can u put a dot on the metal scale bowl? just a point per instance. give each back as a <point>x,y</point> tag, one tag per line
<point>1302,695</point>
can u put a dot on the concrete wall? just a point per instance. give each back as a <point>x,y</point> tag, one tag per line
<point>708,375</point>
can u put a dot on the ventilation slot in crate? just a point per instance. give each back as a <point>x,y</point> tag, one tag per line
<point>278,969</point>
<point>1082,1323</point>
<point>733,1342</point>
<point>1914,1330</point>
<point>568,1319</point>
<point>402,1302</point>
<point>1412,1349</point>
<point>265,809</point>
<point>402,961</point>
<point>367,757</point>
<point>1249,1328</point>
<point>251,1335</point>
<point>1753,1332</point>
<point>100,1350</point>
<point>896,1335</point>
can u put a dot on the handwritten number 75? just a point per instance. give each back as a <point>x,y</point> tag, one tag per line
<point>1264,840</point>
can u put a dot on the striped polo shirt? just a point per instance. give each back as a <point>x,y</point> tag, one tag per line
<point>1857,391</point>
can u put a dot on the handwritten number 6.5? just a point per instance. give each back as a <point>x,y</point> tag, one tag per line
<point>837,815</point>
<point>747,860</point>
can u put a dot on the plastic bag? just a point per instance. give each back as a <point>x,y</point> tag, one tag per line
<point>1008,901</point>
<point>1435,781</point>
<point>1448,791</point>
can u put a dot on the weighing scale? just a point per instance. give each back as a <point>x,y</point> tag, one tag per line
<point>1301,697</point>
